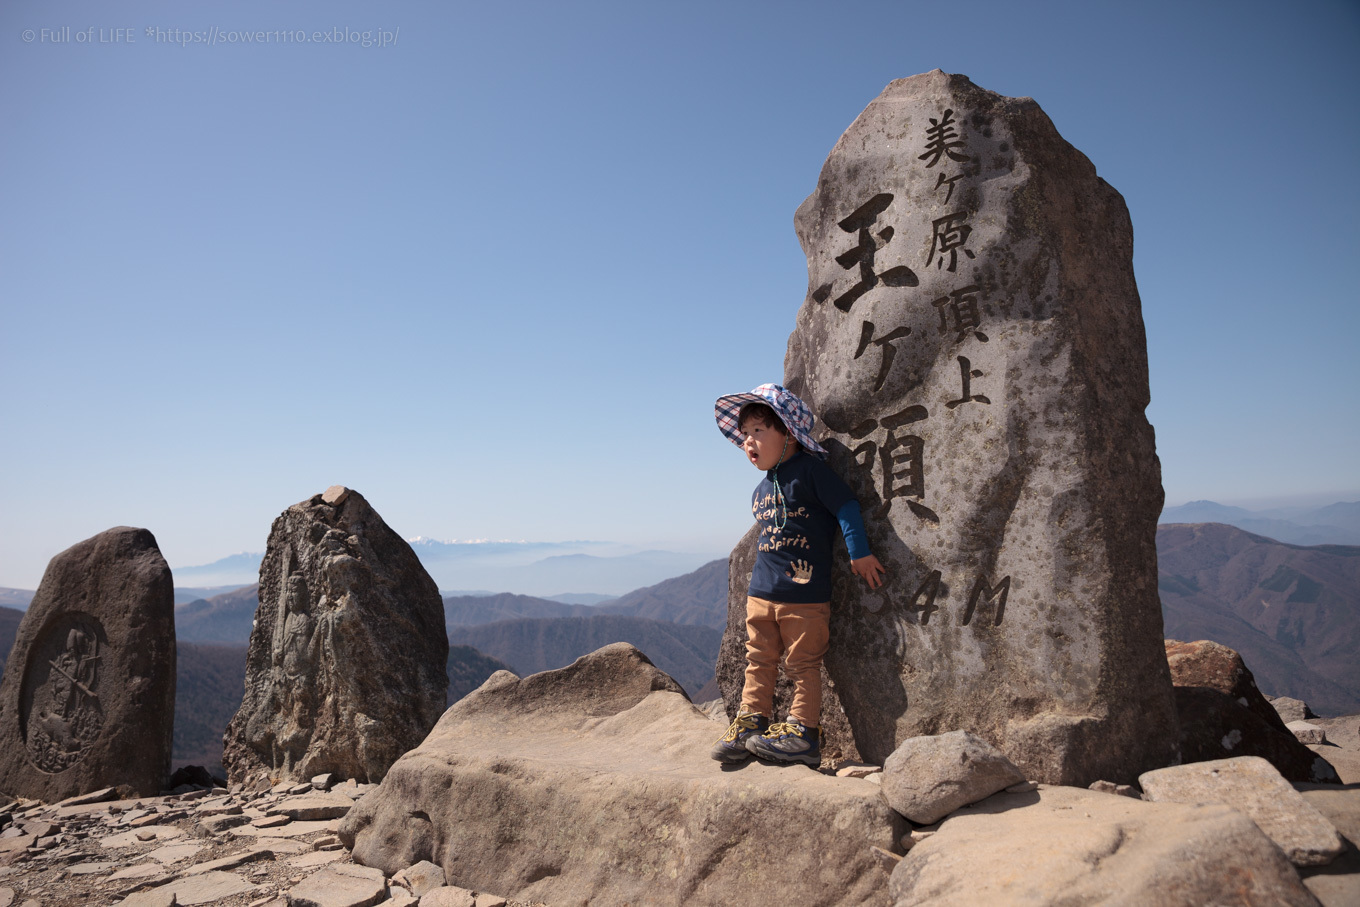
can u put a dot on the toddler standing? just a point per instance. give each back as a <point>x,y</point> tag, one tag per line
<point>799,505</point>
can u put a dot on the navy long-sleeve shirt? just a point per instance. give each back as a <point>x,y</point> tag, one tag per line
<point>793,563</point>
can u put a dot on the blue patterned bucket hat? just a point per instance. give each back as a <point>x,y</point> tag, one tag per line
<point>792,411</point>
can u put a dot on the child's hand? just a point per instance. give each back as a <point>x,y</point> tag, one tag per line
<point>870,569</point>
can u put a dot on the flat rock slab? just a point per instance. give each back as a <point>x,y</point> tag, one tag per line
<point>927,778</point>
<point>316,858</point>
<point>154,897</point>
<point>174,853</point>
<point>1337,883</point>
<point>592,784</point>
<point>448,896</point>
<point>340,886</point>
<point>206,888</point>
<point>313,808</point>
<point>88,696</point>
<point>291,830</point>
<point>1253,786</point>
<point>1063,845</point>
<point>139,871</point>
<point>140,836</point>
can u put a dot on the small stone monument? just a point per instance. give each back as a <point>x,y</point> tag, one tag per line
<point>346,667</point>
<point>972,345</point>
<point>88,697</point>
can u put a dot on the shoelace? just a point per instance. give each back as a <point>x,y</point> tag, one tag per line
<point>739,724</point>
<point>784,728</point>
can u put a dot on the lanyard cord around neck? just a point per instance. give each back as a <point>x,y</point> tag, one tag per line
<point>781,509</point>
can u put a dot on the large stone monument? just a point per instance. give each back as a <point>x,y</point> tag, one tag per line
<point>972,344</point>
<point>346,667</point>
<point>88,697</point>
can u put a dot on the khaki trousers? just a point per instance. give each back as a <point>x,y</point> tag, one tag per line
<point>800,633</point>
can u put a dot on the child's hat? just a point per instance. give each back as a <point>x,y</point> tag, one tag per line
<point>792,411</point>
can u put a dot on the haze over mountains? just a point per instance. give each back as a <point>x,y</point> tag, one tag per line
<point>584,572</point>
<point>1335,524</point>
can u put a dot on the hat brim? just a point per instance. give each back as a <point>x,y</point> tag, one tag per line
<point>727,409</point>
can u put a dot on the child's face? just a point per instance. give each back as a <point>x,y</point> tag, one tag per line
<point>764,444</point>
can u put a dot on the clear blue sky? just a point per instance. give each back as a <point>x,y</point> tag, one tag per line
<point>494,274</point>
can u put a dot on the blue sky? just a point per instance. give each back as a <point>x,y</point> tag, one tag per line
<point>494,273</point>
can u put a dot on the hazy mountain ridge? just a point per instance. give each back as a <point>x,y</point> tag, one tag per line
<point>1335,524</point>
<point>469,610</point>
<point>15,598</point>
<point>1292,611</point>
<point>226,618</point>
<point>699,597</point>
<point>530,568</point>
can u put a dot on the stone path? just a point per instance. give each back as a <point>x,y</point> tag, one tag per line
<point>229,848</point>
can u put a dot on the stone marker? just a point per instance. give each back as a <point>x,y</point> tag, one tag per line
<point>1222,714</point>
<point>346,664</point>
<point>1062,845</point>
<point>972,344</point>
<point>1252,786</point>
<point>88,697</point>
<point>593,784</point>
<point>927,778</point>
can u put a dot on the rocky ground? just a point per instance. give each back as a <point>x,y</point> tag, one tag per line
<point>279,847</point>
<point>229,848</point>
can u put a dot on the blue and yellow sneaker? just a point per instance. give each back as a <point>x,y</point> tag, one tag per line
<point>732,746</point>
<point>788,741</point>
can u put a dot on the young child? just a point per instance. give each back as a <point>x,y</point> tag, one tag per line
<point>788,607</point>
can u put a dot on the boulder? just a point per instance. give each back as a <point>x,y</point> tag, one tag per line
<point>345,670</point>
<point>1063,845</point>
<point>1290,709</point>
<point>927,778</point>
<point>1252,786</point>
<point>972,344</point>
<point>1307,733</point>
<point>420,878</point>
<point>1222,714</point>
<point>593,784</point>
<point>88,697</point>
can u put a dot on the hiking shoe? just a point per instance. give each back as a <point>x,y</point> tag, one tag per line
<point>788,741</point>
<point>732,746</point>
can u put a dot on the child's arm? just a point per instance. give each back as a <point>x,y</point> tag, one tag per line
<point>862,562</point>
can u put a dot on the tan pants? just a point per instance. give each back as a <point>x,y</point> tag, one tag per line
<point>798,632</point>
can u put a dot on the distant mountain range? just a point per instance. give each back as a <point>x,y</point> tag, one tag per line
<point>1335,524</point>
<point>15,598</point>
<point>574,572</point>
<point>1292,612</point>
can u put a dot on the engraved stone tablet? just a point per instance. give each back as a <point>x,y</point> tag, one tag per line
<point>346,668</point>
<point>972,345</point>
<point>88,695</point>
